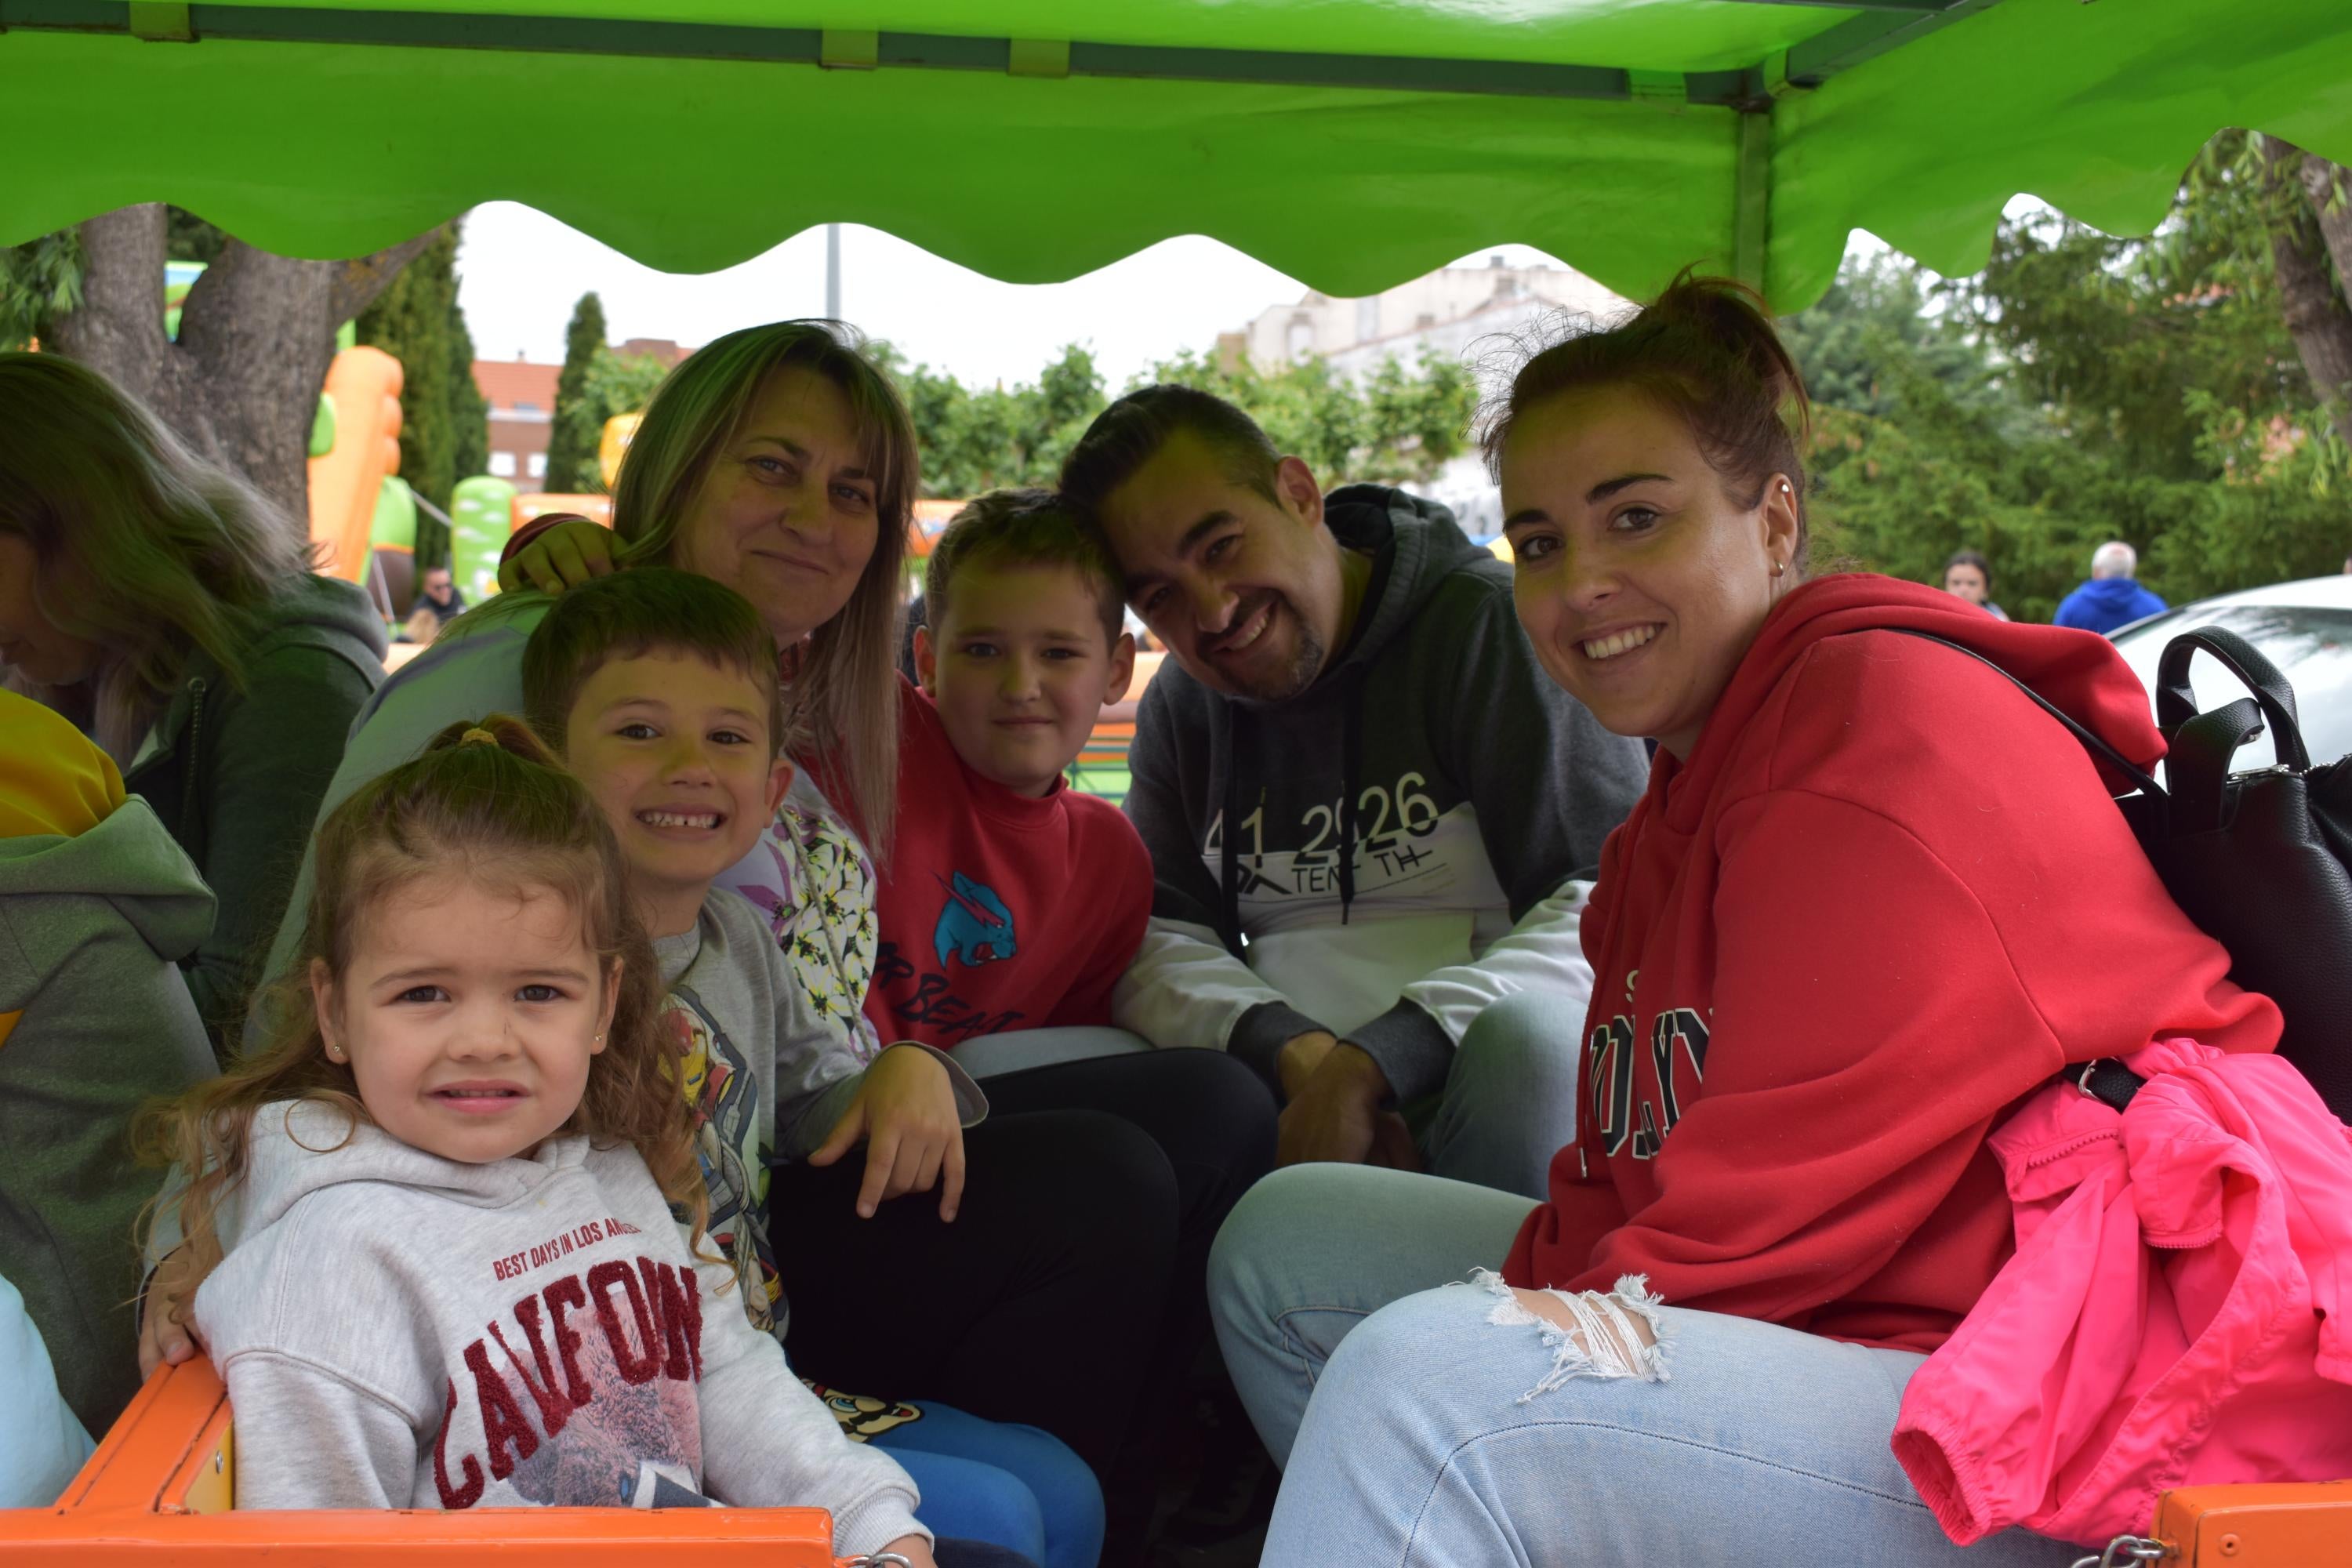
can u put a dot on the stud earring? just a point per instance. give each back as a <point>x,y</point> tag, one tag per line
<point>1778,568</point>
<point>334,1053</point>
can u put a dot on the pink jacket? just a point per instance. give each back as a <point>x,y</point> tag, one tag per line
<point>2175,1314</point>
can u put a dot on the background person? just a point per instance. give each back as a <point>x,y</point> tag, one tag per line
<point>164,608</point>
<point>1969,576</point>
<point>421,627</point>
<point>2112,598</point>
<point>97,908</point>
<point>439,592</point>
<point>1780,1170</point>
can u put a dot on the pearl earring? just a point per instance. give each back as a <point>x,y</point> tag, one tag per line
<point>1778,568</point>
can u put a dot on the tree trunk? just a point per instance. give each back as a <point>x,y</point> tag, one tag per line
<point>257,331</point>
<point>2329,187</point>
<point>2300,252</point>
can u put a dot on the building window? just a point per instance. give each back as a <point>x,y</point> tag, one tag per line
<point>538,465</point>
<point>502,463</point>
<point>529,408</point>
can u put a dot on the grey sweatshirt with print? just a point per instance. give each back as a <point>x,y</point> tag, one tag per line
<point>1403,844</point>
<point>397,1330</point>
<point>764,1074</point>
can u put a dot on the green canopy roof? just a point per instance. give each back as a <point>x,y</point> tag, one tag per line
<point>1352,143</point>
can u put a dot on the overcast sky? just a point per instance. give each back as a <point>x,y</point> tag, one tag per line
<point>521,271</point>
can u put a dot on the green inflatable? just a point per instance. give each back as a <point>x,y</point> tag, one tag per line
<point>395,516</point>
<point>481,516</point>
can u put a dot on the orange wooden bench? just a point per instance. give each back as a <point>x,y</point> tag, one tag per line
<point>161,1490</point>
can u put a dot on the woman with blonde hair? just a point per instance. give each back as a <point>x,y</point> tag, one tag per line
<point>163,606</point>
<point>779,461</point>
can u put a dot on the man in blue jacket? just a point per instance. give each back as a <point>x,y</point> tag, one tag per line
<point>2111,598</point>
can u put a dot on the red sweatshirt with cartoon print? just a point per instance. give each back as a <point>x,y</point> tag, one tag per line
<point>1885,898</point>
<point>998,912</point>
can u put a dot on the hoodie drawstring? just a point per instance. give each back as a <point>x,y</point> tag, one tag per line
<point>1352,765</point>
<point>1229,868</point>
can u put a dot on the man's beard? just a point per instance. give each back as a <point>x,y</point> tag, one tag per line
<point>1306,665</point>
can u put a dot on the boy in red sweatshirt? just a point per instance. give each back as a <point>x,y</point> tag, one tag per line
<point>1011,901</point>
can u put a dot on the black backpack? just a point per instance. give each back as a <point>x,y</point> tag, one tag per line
<point>2258,860</point>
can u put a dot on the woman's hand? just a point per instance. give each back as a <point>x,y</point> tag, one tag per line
<point>566,556</point>
<point>161,1341</point>
<point>906,1109</point>
<point>915,1550</point>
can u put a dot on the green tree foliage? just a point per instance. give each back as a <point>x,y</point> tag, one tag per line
<point>470,411</point>
<point>977,439</point>
<point>578,425</point>
<point>2082,388</point>
<point>621,384</point>
<point>40,280</point>
<point>444,422</point>
<point>1400,424</point>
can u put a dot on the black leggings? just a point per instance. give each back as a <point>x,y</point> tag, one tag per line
<point>1072,1286</point>
<point>1212,1116</point>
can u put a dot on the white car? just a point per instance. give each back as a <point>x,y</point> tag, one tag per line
<point>2305,628</point>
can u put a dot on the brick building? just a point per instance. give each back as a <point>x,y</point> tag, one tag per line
<point>521,397</point>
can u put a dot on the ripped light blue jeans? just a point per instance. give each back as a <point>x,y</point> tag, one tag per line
<point>1446,1430</point>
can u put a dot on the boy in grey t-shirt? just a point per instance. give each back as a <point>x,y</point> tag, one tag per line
<point>659,689</point>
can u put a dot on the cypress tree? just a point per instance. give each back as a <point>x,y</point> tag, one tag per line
<point>579,421</point>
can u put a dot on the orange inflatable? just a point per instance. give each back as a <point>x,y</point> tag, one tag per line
<point>537,503</point>
<point>364,384</point>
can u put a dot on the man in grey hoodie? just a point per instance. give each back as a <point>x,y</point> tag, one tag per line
<point>97,906</point>
<point>1371,818</point>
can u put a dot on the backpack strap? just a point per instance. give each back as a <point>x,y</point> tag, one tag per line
<point>2176,701</point>
<point>2123,766</point>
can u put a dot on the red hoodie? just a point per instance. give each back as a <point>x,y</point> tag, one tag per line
<point>1885,898</point>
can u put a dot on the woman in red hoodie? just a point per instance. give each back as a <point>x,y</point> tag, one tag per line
<point>1871,898</point>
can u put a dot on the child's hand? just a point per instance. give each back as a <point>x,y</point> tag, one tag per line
<point>566,556</point>
<point>915,1550</point>
<point>906,1109</point>
<point>161,1341</point>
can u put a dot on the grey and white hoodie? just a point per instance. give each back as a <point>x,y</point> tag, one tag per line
<point>95,1019</point>
<point>1409,839</point>
<point>397,1330</point>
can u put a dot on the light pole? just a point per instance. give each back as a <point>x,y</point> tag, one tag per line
<point>833,271</point>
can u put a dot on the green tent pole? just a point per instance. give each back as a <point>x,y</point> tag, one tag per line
<point>1751,233</point>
